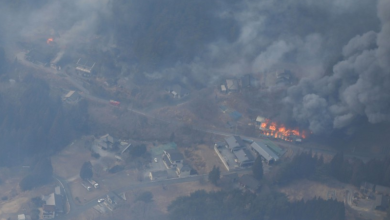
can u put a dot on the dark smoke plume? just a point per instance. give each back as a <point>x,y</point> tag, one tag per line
<point>358,87</point>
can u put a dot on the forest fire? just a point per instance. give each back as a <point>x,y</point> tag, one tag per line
<point>49,41</point>
<point>272,129</point>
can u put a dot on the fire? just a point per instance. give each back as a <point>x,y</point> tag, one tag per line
<point>49,40</point>
<point>272,129</point>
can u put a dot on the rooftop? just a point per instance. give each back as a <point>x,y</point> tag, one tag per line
<point>264,151</point>
<point>243,156</point>
<point>234,141</point>
<point>69,94</point>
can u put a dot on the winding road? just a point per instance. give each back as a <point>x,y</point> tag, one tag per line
<point>76,209</point>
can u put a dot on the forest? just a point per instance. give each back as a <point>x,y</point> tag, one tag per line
<point>37,124</point>
<point>232,205</point>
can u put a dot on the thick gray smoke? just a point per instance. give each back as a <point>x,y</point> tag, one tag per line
<point>358,87</point>
<point>340,48</point>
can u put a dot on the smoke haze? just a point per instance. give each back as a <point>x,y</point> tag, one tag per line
<point>340,47</point>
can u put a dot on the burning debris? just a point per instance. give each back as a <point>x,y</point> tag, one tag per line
<point>49,41</point>
<point>272,129</point>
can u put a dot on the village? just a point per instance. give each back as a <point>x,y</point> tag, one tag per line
<point>178,142</point>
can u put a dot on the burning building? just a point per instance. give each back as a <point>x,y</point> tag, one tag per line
<point>279,131</point>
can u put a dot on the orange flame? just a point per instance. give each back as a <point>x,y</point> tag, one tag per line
<point>49,40</point>
<point>280,131</point>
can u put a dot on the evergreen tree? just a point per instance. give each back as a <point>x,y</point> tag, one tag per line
<point>86,171</point>
<point>257,169</point>
<point>214,175</point>
<point>336,165</point>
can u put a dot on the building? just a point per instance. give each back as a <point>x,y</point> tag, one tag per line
<point>21,217</point>
<point>106,142</point>
<point>234,143</point>
<point>54,203</point>
<point>85,67</point>
<point>382,202</point>
<point>223,88</point>
<point>183,170</point>
<point>264,151</point>
<point>249,183</point>
<point>59,200</point>
<point>72,96</point>
<point>232,85</point>
<point>48,212</point>
<point>259,120</point>
<point>158,175</point>
<point>244,158</point>
<point>172,158</point>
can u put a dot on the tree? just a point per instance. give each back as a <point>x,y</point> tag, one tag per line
<point>86,171</point>
<point>257,169</point>
<point>336,165</point>
<point>41,174</point>
<point>138,150</point>
<point>146,197</point>
<point>214,175</point>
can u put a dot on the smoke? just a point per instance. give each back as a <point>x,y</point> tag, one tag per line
<point>358,87</point>
<point>66,21</point>
<point>340,48</point>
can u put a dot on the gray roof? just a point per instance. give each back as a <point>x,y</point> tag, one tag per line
<point>264,151</point>
<point>234,141</point>
<point>59,203</point>
<point>232,84</point>
<point>243,156</point>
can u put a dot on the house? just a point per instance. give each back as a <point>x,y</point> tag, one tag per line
<point>264,151</point>
<point>158,175</point>
<point>244,158</point>
<point>54,203</point>
<point>72,96</point>
<point>223,88</point>
<point>22,217</point>
<point>106,142</point>
<point>173,157</point>
<point>234,143</point>
<point>48,211</point>
<point>232,85</point>
<point>183,170</point>
<point>59,200</point>
<point>249,183</point>
<point>259,121</point>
